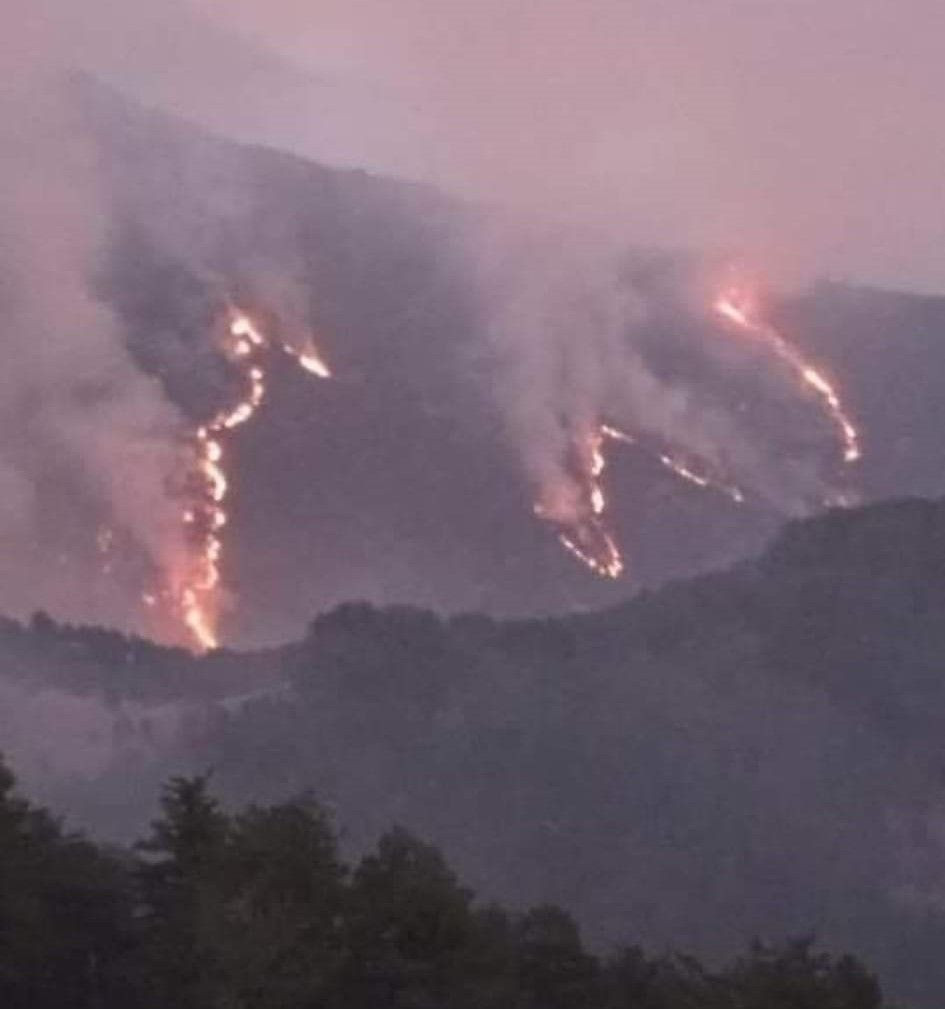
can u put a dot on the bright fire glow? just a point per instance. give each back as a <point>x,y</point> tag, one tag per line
<point>578,509</point>
<point>594,547</point>
<point>582,526</point>
<point>738,307</point>
<point>198,598</point>
<point>684,470</point>
<point>581,521</point>
<point>700,479</point>
<point>311,362</point>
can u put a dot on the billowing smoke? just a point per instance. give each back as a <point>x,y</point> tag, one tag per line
<point>562,321</point>
<point>722,127</point>
<point>776,129</point>
<point>85,433</point>
<point>587,128</point>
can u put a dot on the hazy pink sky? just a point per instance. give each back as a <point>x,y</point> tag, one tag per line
<point>802,136</point>
<point>807,132</point>
<point>804,129</point>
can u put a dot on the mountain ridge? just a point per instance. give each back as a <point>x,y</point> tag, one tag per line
<point>399,481</point>
<point>905,536</point>
<point>756,751</point>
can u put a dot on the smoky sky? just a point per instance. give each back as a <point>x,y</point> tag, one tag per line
<point>803,135</point>
<point>791,136</point>
<point>799,137</point>
<point>85,432</point>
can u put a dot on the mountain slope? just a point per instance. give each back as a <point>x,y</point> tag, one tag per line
<point>399,482</point>
<point>751,751</point>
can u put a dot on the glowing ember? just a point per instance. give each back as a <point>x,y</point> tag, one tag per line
<point>687,471</point>
<point>582,527</point>
<point>737,307</point>
<point>580,514</point>
<point>311,362</point>
<point>198,595</point>
<point>242,326</point>
<point>577,507</point>
<point>594,546</point>
<point>615,434</point>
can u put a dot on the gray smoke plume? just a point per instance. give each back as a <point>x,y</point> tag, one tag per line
<point>723,126</point>
<point>83,428</point>
<point>563,326</point>
<point>714,126</point>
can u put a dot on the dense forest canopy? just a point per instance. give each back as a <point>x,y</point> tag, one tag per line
<point>550,502</point>
<point>256,909</point>
<point>755,752</point>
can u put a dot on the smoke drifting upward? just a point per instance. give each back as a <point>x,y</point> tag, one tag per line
<point>564,324</point>
<point>587,126</point>
<point>666,124</point>
<point>87,438</point>
<point>780,130</point>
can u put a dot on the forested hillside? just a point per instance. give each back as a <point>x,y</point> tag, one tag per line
<point>752,752</point>
<point>399,481</point>
<point>258,909</point>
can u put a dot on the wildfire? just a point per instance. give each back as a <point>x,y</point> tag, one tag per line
<point>582,528</point>
<point>738,308</point>
<point>582,524</point>
<point>580,516</point>
<point>576,506</point>
<point>310,361</point>
<point>685,470</point>
<point>198,601</point>
<point>595,547</point>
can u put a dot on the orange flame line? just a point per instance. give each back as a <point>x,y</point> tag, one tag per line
<point>585,535</point>
<point>730,306</point>
<point>198,597</point>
